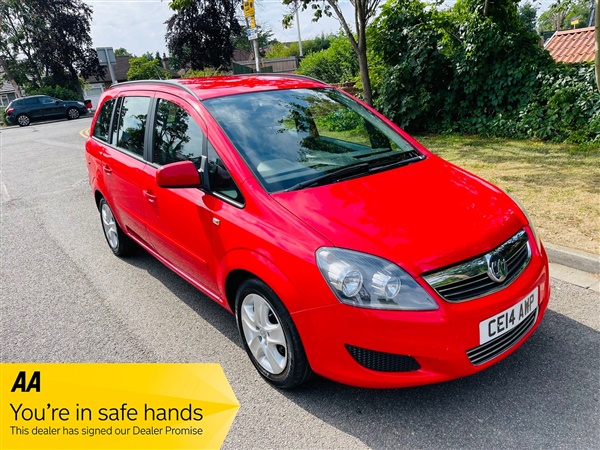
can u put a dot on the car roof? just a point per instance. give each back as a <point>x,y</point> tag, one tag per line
<point>211,87</point>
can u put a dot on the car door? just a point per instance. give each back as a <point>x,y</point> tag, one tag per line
<point>32,106</point>
<point>51,107</point>
<point>178,220</point>
<point>123,162</point>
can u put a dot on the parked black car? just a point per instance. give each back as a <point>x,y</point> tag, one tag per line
<point>23,111</point>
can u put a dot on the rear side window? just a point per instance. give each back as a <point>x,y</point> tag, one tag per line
<point>102,126</point>
<point>177,136</point>
<point>129,125</point>
<point>31,101</point>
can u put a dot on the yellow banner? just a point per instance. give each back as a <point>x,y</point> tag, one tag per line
<point>114,406</point>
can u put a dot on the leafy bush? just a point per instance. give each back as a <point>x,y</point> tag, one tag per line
<point>458,71</point>
<point>207,72</point>
<point>142,68</point>
<point>341,120</point>
<point>2,113</point>
<point>55,91</point>
<point>337,64</point>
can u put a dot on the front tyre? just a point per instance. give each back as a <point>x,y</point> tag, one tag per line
<point>118,241</point>
<point>270,336</point>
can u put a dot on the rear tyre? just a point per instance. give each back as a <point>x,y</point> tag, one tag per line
<point>73,113</point>
<point>270,336</point>
<point>23,120</point>
<point>118,241</point>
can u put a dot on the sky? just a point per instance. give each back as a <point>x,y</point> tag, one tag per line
<point>139,25</point>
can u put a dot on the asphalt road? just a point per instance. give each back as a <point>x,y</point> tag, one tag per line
<point>65,297</point>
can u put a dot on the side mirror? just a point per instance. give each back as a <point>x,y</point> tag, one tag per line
<point>56,102</point>
<point>178,175</point>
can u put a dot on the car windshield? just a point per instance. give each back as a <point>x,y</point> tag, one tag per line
<point>297,138</point>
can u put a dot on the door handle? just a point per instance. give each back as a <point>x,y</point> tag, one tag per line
<point>107,169</point>
<point>150,196</point>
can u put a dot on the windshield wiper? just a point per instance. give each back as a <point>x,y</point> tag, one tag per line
<point>335,175</point>
<point>393,161</point>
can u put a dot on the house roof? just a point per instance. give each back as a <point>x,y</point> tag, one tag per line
<point>572,46</point>
<point>6,88</point>
<point>121,68</point>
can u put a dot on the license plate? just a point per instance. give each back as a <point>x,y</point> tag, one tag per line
<point>505,321</point>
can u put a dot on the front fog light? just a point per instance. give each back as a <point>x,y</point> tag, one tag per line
<point>345,278</point>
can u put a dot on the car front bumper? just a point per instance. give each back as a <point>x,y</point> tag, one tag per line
<point>390,349</point>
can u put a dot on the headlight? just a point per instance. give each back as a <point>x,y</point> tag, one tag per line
<point>367,281</point>
<point>535,235</point>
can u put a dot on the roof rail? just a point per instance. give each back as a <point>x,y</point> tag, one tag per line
<point>281,75</point>
<point>170,82</point>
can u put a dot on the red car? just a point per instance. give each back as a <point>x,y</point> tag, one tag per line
<point>342,246</point>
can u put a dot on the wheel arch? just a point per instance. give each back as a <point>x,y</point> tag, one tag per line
<point>247,264</point>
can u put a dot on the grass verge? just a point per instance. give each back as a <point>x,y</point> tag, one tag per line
<point>558,184</point>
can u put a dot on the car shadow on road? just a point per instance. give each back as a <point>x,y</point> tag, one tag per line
<point>202,305</point>
<point>545,395</point>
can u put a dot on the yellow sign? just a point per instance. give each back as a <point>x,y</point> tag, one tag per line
<point>114,406</point>
<point>249,8</point>
<point>252,22</point>
<point>575,22</point>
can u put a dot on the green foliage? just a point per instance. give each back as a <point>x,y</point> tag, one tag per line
<point>341,120</point>
<point>415,70</point>
<point>121,51</point>
<point>279,50</point>
<point>459,71</point>
<point>143,69</point>
<point>56,92</point>
<point>528,15</point>
<point>2,113</point>
<point>208,72</point>
<point>562,12</point>
<point>47,39</point>
<point>203,32</point>
<point>337,64</point>
<point>265,38</point>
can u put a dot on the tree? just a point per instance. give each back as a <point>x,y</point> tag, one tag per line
<point>202,32</point>
<point>142,68</point>
<point>122,52</point>
<point>561,13</point>
<point>528,14</point>
<point>265,38</point>
<point>48,43</point>
<point>364,11</point>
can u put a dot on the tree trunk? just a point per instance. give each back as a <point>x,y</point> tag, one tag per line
<point>598,46</point>
<point>364,77</point>
<point>10,78</point>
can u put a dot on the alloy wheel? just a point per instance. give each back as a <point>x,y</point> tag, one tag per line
<point>110,226</point>
<point>264,334</point>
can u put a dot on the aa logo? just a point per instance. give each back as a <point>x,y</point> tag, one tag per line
<point>22,384</point>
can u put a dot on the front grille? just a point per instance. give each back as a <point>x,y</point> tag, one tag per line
<point>495,347</point>
<point>470,279</point>
<point>383,362</point>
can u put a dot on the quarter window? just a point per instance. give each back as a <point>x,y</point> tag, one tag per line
<point>177,136</point>
<point>219,177</point>
<point>102,126</point>
<point>130,124</point>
